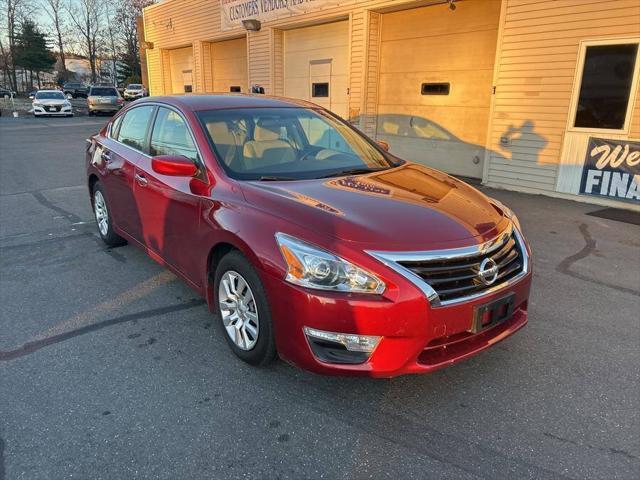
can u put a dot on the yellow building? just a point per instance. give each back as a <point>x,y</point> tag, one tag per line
<point>530,95</point>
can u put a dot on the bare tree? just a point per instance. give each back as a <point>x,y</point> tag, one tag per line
<point>87,17</point>
<point>13,12</point>
<point>127,13</point>
<point>55,10</point>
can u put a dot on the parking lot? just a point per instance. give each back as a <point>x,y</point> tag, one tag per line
<point>112,368</point>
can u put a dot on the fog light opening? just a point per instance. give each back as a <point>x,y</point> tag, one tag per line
<point>342,348</point>
<point>351,341</point>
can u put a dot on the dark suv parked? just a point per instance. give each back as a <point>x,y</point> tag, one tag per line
<point>75,90</point>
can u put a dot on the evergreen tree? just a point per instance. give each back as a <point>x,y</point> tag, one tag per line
<point>32,52</point>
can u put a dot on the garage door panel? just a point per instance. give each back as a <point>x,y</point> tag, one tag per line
<point>459,122</point>
<point>471,88</point>
<point>181,67</point>
<point>229,64</point>
<point>434,45</point>
<point>318,54</point>
<point>329,35</point>
<point>439,20</point>
<point>450,52</point>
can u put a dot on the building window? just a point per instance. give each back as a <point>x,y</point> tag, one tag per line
<point>320,89</point>
<point>605,86</point>
<point>435,89</point>
<point>235,89</point>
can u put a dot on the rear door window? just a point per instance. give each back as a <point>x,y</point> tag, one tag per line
<point>134,127</point>
<point>171,136</point>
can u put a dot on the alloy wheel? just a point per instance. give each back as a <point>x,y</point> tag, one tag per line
<point>100,210</point>
<point>238,310</point>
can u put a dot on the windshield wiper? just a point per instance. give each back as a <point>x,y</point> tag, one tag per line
<point>274,178</point>
<point>354,171</point>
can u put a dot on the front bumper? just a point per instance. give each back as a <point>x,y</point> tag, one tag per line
<point>132,96</point>
<point>64,111</point>
<point>417,338</point>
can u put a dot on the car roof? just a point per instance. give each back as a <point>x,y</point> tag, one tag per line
<point>196,102</point>
<point>49,90</point>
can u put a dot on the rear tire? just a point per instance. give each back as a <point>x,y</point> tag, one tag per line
<point>103,217</point>
<point>243,309</point>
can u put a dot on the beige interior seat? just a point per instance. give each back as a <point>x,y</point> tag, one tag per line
<point>267,148</point>
<point>228,144</point>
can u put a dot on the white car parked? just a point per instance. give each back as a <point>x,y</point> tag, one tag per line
<point>134,91</point>
<point>51,102</point>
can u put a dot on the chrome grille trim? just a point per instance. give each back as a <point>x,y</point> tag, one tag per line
<point>392,259</point>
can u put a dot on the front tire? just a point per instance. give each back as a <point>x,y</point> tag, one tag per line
<point>103,217</point>
<point>242,306</point>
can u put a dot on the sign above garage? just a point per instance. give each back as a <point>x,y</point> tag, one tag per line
<point>233,12</point>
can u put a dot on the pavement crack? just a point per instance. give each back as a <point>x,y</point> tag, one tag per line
<point>31,347</point>
<point>589,248</point>
<point>42,200</point>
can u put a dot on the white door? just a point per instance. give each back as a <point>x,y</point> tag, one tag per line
<point>316,65</point>
<point>436,73</point>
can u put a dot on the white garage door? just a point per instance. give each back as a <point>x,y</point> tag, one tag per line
<point>229,65</point>
<point>316,65</point>
<point>181,64</point>
<point>436,71</point>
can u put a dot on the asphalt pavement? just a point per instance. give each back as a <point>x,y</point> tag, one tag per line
<point>111,368</point>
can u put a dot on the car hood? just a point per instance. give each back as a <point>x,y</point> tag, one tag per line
<point>51,101</point>
<point>409,207</point>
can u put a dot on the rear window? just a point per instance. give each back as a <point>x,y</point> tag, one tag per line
<point>104,92</point>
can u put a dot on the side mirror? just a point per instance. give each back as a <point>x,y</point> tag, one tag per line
<point>31,97</point>
<point>384,145</point>
<point>174,165</point>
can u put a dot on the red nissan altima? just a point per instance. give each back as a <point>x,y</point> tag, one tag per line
<point>308,239</point>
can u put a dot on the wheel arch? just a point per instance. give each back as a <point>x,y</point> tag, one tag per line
<point>226,243</point>
<point>93,179</point>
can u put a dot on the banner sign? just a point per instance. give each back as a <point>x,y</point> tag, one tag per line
<point>612,170</point>
<point>234,11</point>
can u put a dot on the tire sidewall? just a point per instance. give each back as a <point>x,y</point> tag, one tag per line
<point>264,350</point>
<point>111,238</point>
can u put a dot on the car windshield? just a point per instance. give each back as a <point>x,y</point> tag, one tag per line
<point>104,92</point>
<point>288,144</point>
<point>50,96</point>
<point>134,86</point>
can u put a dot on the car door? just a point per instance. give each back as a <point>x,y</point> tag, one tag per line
<point>170,210</point>
<point>116,156</point>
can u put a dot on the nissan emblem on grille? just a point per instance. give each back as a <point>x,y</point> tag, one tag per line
<point>488,272</point>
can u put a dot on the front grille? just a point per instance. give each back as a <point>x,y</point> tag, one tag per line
<point>454,278</point>
<point>53,108</point>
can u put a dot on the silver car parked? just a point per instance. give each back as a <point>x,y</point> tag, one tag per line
<point>104,99</point>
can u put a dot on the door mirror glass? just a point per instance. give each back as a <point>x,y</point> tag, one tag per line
<point>384,145</point>
<point>174,165</point>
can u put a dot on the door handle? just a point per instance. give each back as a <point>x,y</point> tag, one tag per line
<point>142,181</point>
<point>106,157</point>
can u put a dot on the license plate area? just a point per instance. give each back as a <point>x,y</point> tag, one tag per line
<point>490,314</point>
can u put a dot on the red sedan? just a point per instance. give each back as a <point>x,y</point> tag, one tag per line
<point>309,240</point>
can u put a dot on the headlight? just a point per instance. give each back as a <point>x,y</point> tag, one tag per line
<point>508,213</point>
<point>313,267</point>
<point>36,104</point>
